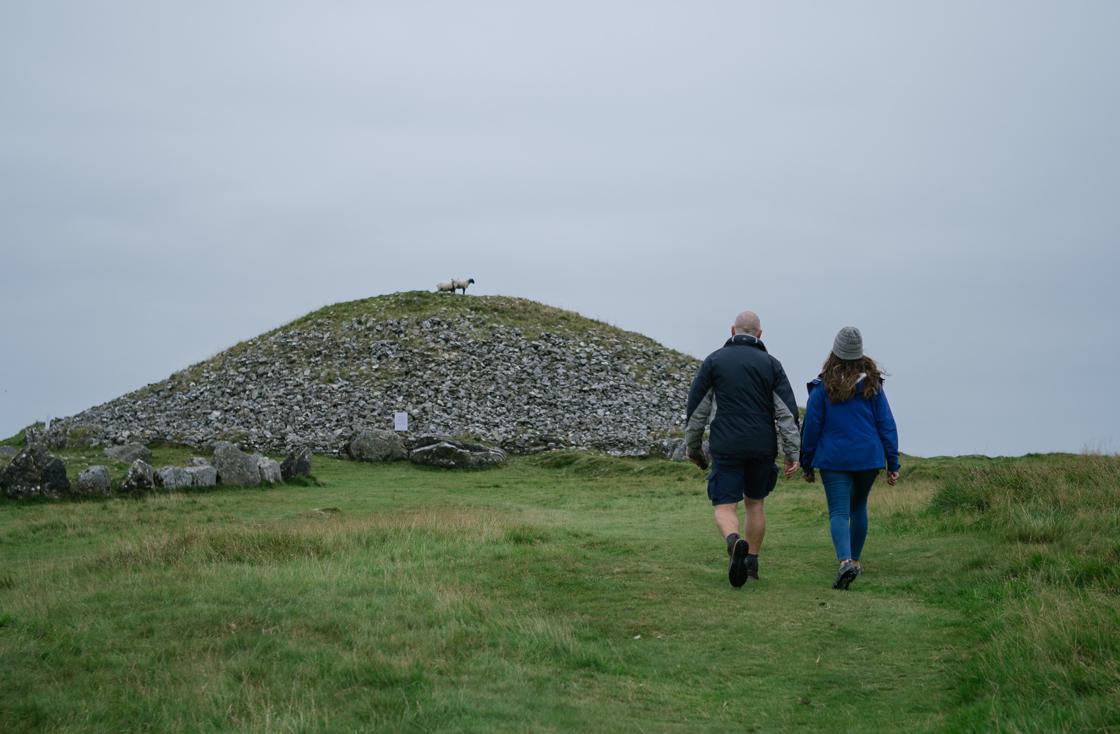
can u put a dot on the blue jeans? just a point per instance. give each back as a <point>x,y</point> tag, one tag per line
<point>847,509</point>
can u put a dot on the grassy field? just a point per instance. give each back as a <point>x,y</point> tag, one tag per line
<point>564,592</point>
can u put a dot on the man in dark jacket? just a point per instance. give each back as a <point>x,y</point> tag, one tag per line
<point>753,396</point>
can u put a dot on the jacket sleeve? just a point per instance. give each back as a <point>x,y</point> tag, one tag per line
<point>698,421</point>
<point>701,384</point>
<point>786,415</point>
<point>888,431</point>
<point>811,432</point>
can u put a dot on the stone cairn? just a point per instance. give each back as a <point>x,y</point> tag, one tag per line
<point>474,371</point>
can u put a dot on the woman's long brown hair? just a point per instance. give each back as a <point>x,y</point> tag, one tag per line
<point>841,375</point>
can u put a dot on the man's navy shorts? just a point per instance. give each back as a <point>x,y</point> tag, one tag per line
<point>733,479</point>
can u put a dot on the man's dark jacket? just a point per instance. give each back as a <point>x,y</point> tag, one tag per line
<point>751,390</point>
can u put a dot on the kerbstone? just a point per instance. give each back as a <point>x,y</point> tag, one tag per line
<point>372,445</point>
<point>269,470</point>
<point>140,477</point>
<point>95,481</point>
<point>34,473</point>
<point>174,477</point>
<point>456,455</point>
<point>235,467</point>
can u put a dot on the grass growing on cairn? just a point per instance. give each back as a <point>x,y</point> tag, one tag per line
<point>564,592</point>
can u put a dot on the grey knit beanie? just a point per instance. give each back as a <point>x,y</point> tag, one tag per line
<point>848,343</point>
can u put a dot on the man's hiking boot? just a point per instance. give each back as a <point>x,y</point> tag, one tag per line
<point>737,566</point>
<point>845,575</point>
<point>751,563</point>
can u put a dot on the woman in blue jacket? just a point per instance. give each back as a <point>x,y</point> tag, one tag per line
<point>849,435</point>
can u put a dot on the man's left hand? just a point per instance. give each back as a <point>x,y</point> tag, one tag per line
<point>699,458</point>
<point>791,468</point>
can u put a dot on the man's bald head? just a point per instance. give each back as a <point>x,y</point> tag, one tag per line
<point>747,323</point>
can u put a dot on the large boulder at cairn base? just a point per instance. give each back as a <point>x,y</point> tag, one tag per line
<point>297,464</point>
<point>34,473</point>
<point>202,475</point>
<point>174,477</point>
<point>235,467</point>
<point>456,455</point>
<point>140,477</point>
<point>269,470</point>
<point>376,446</point>
<point>129,453</point>
<point>95,481</point>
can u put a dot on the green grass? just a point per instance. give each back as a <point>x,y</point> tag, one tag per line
<point>563,592</point>
<point>531,317</point>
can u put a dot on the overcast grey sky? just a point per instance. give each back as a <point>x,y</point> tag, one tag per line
<point>944,175</point>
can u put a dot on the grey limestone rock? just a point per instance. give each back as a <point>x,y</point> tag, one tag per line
<point>140,477</point>
<point>174,477</point>
<point>202,475</point>
<point>269,470</point>
<point>296,464</point>
<point>673,449</point>
<point>373,445</point>
<point>129,453</point>
<point>456,455</point>
<point>34,473</point>
<point>95,481</point>
<point>235,467</point>
<point>7,452</point>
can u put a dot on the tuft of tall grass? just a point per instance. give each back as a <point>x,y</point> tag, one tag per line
<point>594,464</point>
<point>1051,658</point>
<point>321,534</point>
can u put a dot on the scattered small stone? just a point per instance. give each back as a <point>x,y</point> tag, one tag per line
<point>82,436</point>
<point>673,449</point>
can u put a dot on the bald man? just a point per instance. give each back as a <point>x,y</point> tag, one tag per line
<point>756,410</point>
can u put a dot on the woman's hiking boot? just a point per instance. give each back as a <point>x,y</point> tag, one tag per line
<point>845,575</point>
<point>737,567</point>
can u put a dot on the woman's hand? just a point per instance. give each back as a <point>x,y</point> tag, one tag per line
<point>892,478</point>
<point>810,476</point>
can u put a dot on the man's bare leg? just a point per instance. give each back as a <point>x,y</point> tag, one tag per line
<point>727,519</point>
<point>756,524</point>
